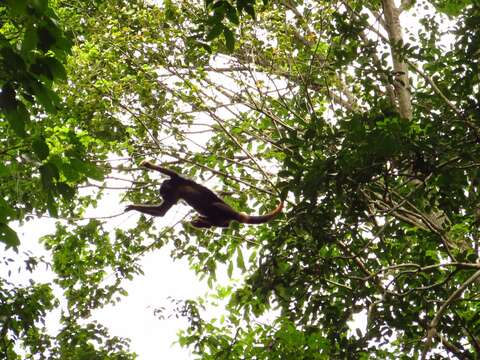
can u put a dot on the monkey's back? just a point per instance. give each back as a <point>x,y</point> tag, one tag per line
<point>200,198</point>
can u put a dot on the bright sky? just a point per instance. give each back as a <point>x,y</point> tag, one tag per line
<point>152,338</point>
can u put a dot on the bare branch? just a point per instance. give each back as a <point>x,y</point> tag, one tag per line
<point>402,83</point>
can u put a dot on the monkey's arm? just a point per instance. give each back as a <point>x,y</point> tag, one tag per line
<point>152,166</point>
<point>154,210</point>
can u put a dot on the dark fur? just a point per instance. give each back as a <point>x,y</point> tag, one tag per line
<point>213,211</point>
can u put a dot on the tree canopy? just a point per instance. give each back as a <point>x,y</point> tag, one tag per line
<point>363,116</point>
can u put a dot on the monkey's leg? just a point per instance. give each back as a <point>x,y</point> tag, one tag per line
<point>154,210</point>
<point>201,222</point>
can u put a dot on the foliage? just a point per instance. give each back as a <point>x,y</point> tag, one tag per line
<point>43,158</point>
<point>368,128</point>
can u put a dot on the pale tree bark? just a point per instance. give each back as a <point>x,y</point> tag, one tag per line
<point>402,83</point>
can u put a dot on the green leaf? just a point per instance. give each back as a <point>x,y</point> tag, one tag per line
<point>44,96</point>
<point>71,169</point>
<point>219,8</point>
<point>46,39</point>
<point>92,171</point>
<point>452,7</point>
<point>6,212</point>
<point>52,205</point>
<point>241,5</point>
<point>4,170</point>
<point>18,7</point>
<point>12,61</point>
<point>40,5</point>
<point>49,67</point>
<point>66,191</point>
<point>30,40</point>
<point>40,147</point>
<point>8,236</point>
<point>229,39</point>
<point>250,10</point>
<point>230,269</point>
<point>231,13</point>
<point>8,102</point>
<point>215,31</point>
<point>48,173</point>
<point>56,68</point>
<point>240,261</point>
<point>18,119</point>
<point>205,46</point>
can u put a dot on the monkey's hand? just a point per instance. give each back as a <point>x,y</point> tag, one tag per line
<point>129,207</point>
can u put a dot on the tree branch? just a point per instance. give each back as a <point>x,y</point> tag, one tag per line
<point>402,83</point>
<point>432,327</point>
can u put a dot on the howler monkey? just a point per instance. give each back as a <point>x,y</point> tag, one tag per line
<point>212,209</point>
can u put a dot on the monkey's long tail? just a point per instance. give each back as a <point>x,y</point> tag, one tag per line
<point>260,219</point>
